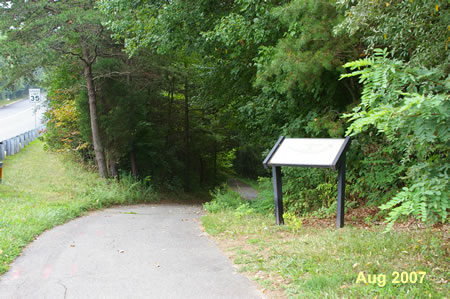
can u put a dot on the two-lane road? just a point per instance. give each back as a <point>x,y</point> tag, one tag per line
<point>18,118</point>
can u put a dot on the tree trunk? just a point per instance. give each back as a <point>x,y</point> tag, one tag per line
<point>350,86</point>
<point>202,171</point>
<point>186,137</point>
<point>215,159</point>
<point>128,63</point>
<point>169,114</point>
<point>113,167</point>
<point>111,161</point>
<point>134,171</point>
<point>96,138</point>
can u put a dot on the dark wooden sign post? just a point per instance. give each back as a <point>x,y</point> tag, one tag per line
<point>308,152</point>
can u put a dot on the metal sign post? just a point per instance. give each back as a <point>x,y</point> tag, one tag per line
<point>278,194</point>
<point>308,152</point>
<point>341,193</point>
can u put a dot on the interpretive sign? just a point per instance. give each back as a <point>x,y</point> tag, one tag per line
<point>308,152</point>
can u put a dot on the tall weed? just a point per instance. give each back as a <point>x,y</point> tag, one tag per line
<point>128,190</point>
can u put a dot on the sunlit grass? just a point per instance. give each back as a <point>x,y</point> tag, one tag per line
<point>326,262</point>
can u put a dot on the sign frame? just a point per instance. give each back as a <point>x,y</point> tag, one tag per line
<point>337,164</point>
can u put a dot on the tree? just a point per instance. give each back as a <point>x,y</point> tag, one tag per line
<point>413,31</point>
<point>171,29</point>
<point>43,33</point>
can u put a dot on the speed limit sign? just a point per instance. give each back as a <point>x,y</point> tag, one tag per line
<point>35,95</point>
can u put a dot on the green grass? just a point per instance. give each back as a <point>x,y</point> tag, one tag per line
<point>5,102</point>
<point>326,262</point>
<point>43,189</point>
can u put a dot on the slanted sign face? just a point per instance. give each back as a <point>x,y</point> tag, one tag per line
<point>312,152</point>
<point>308,152</point>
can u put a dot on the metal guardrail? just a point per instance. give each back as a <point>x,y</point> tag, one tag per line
<point>13,145</point>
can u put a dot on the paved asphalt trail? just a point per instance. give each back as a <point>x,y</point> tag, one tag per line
<point>142,251</point>
<point>244,190</point>
<point>18,118</point>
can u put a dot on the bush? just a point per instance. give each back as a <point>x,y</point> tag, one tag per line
<point>374,169</point>
<point>409,105</point>
<point>292,221</point>
<point>308,189</point>
<point>223,199</point>
<point>263,204</point>
<point>128,191</point>
<point>243,210</point>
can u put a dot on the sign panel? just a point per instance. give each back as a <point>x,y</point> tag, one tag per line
<point>35,95</point>
<point>312,152</point>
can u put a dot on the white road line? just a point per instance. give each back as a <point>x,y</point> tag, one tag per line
<point>14,115</point>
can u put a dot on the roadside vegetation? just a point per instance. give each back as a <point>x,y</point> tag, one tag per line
<point>310,258</point>
<point>4,102</point>
<point>14,93</point>
<point>42,189</point>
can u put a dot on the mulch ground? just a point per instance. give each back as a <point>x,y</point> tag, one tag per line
<point>367,218</point>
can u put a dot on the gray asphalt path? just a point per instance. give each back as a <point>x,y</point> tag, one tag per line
<point>18,118</point>
<point>142,251</point>
<point>245,191</point>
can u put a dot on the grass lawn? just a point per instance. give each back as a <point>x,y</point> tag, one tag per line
<point>5,102</point>
<point>42,189</point>
<point>315,262</point>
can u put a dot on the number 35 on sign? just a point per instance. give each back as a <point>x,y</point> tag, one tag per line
<point>35,95</point>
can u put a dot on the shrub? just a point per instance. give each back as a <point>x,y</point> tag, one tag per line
<point>410,106</point>
<point>223,199</point>
<point>263,204</point>
<point>292,221</point>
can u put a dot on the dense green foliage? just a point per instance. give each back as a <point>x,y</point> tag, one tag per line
<point>187,91</point>
<point>411,107</point>
<point>9,91</point>
<point>405,98</point>
<point>413,30</point>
